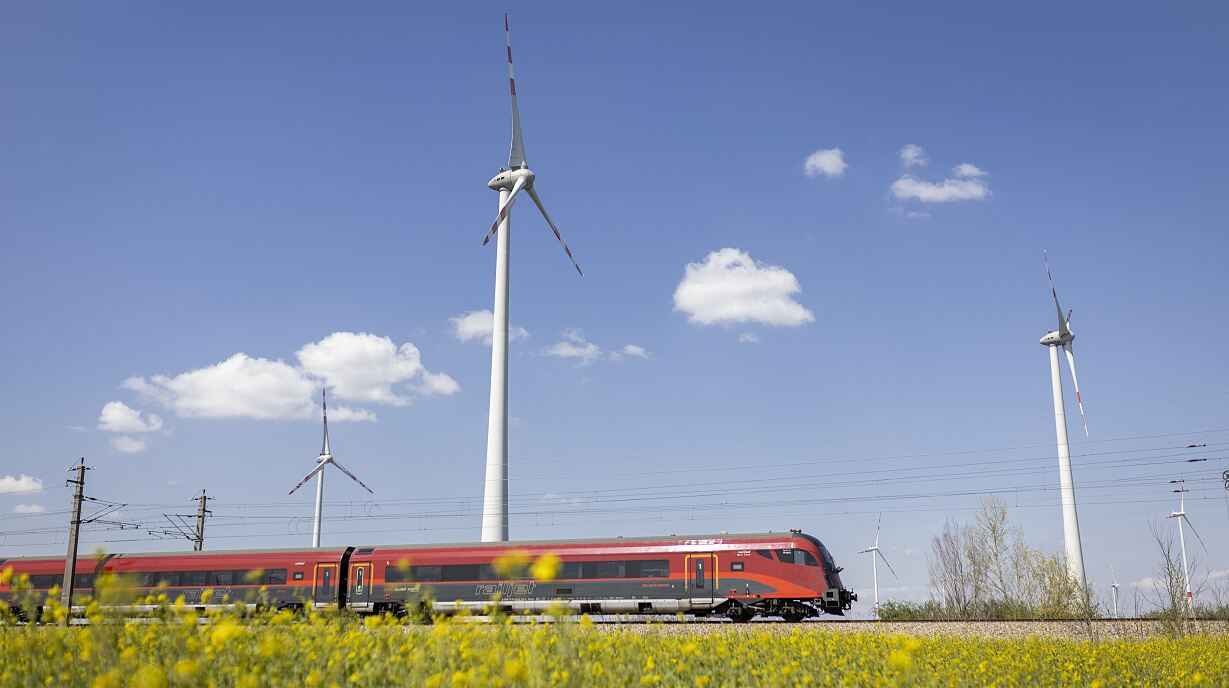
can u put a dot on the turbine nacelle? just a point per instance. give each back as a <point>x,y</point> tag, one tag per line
<point>506,179</point>
<point>1057,338</point>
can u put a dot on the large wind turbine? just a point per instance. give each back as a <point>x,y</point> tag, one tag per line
<point>1180,514</point>
<point>877,554</point>
<point>509,183</point>
<point>325,458</point>
<point>1062,337</point>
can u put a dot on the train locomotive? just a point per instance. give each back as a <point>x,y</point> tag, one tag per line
<point>790,575</point>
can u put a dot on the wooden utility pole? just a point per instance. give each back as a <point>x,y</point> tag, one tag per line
<point>198,542</point>
<point>74,529</point>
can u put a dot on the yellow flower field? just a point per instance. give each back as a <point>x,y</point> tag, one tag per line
<point>333,650</point>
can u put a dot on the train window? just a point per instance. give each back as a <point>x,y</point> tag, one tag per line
<point>44,581</point>
<point>699,579</point>
<point>221,577</point>
<point>193,579</point>
<point>459,572</point>
<point>171,577</point>
<point>275,577</point>
<point>786,555</point>
<point>801,556</point>
<point>570,569</point>
<point>827,556</point>
<point>608,569</point>
<point>655,568</point>
<point>298,575</point>
<point>736,566</point>
<point>766,553</point>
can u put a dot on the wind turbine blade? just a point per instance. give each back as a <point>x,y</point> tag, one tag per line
<point>868,549</point>
<point>885,560</point>
<point>538,201</point>
<point>352,476</point>
<point>1063,329</point>
<point>503,210</point>
<point>1188,522</point>
<point>878,521</point>
<point>1075,381</point>
<point>319,467</point>
<point>516,154</point>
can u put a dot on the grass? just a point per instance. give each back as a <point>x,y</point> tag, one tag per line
<point>177,647</point>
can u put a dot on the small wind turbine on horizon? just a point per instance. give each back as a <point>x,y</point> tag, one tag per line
<point>325,458</point>
<point>1180,514</point>
<point>1114,589</point>
<point>876,552</point>
<point>1063,337</point>
<point>509,183</point>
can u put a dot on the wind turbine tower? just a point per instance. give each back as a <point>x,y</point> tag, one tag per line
<point>877,554</point>
<point>1062,338</point>
<point>1114,590</point>
<point>1180,515</point>
<point>325,458</point>
<point>509,183</point>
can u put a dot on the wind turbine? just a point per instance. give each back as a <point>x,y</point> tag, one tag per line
<point>1114,590</point>
<point>509,183</point>
<point>1062,337</point>
<point>876,552</point>
<point>1180,514</point>
<point>325,458</point>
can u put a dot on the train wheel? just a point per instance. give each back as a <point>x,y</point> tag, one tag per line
<point>793,615</point>
<point>739,614</point>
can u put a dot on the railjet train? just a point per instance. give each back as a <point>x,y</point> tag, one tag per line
<point>790,575</point>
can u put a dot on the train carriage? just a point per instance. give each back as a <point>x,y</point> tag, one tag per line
<point>791,575</point>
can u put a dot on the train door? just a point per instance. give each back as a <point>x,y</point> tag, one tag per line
<point>326,584</point>
<point>360,584</point>
<point>701,576</point>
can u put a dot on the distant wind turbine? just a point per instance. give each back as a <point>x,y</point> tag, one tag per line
<point>875,555</point>
<point>1114,589</point>
<point>509,183</point>
<point>1063,337</point>
<point>1180,514</point>
<point>325,458</point>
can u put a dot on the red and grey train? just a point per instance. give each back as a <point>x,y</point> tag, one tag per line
<point>791,575</point>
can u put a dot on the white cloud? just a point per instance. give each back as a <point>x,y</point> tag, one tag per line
<point>364,367</point>
<point>437,383</point>
<point>128,445</point>
<point>966,183</point>
<point>730,287</point>
<point>556,499</point>
<point>24,483</point>
<point>575,347</point>
<point>749,338</point>
<point>912,155</point>
<point>634,351</point>
<point>472,325</point>
<point>830,162</point>
<point>29,509</point>
<point>239,387</point>
<point>965,169</point>
<point>117,416</point>
<point>911,214</point>
<point>344,414</point>
<point>356,366</point>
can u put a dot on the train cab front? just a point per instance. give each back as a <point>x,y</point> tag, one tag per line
<point>835,599</point>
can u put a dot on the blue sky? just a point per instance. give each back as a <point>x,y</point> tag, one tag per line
<point>186,183</point>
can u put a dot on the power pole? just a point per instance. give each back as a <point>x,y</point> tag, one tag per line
<point>198,542</point>
<point>74,529</point>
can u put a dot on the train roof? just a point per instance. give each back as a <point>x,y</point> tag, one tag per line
<point>437,545</point>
